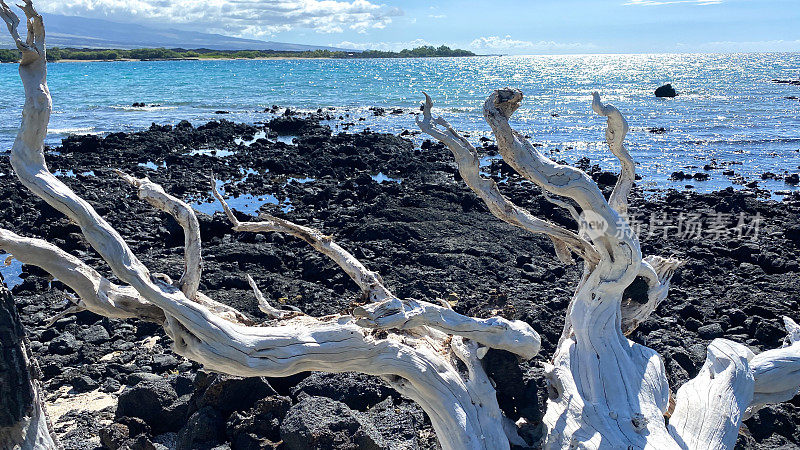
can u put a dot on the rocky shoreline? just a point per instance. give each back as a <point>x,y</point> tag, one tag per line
<point>403,211</point>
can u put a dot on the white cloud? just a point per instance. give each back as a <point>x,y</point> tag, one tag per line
<point>386,46</point>
<point>507,44</point>
<point>242,18</point>
<point>670,2</point>
<point>778,45</point>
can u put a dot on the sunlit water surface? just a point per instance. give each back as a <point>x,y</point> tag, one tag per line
<point>728,110</point>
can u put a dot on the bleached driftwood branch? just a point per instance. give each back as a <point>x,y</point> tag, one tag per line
<point>185,216</point>
<point>604,390</point>
<point>95,293</point>
<point>369,282</point>
<point>615,137</point>
<point>423,362</point>
<point>466,156</point>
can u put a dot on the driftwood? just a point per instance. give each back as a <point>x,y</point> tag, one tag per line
<point>605,391</point>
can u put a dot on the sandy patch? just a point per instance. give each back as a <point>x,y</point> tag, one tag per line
<point>89,401</point>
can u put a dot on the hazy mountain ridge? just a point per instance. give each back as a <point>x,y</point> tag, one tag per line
<point>80,32</point>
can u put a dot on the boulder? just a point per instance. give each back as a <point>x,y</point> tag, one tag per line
<point>204,430</point>
<point>227,394</point>
<point>260,426</point>
<point>319,423</point>
<point>711,331</point>
<point>156,403</point>
<point>357,391</point>
<point>127,433</point>
<point>95,334</point>
<point>666,91</point>
<point>401,425</point>
<point>64,344</point>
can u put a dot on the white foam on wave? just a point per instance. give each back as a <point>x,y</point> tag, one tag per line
<point>144,108</point>
<point>80,130</point>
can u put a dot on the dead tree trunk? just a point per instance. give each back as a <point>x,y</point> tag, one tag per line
<point>605,391</point>
<point>23,420</point>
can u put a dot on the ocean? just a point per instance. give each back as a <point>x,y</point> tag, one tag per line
<point>728,113</point>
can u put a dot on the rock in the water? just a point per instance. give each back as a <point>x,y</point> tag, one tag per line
<point>680,175</point>
<point>666,91</point>
<point>319,423</point>
<point>792,82</point>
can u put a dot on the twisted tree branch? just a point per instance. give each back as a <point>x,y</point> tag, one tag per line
<point>184,214</point>
<point>469,168</point>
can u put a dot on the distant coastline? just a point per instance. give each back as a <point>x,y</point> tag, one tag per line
<point>57,54</point>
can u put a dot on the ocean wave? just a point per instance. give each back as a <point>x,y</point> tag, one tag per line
<point>81,130</point>
<point>144,108</point>
<point>734,141</point>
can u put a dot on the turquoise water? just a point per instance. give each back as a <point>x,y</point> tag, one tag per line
<point>728,110</point>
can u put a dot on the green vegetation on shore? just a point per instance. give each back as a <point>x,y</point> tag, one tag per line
<point>7,55</point>
<point>57,54</point>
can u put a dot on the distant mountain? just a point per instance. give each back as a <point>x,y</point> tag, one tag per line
<point>71,31</point>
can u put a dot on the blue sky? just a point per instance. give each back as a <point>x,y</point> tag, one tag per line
<point>496,26</point>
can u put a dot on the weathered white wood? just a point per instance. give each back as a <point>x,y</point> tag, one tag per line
<point>615,137</point>
<point>606,391</point>
<point>421,362</point>
<point>370,282</point>
<point>514,336</point>
<point>709,408</point>
<point>95,292</point>
<point>184,214</point>
<point>658,271</point>
<point>777,372</point>
<point>469,168</point>
<point>264,305</point>
<point>393,313</point>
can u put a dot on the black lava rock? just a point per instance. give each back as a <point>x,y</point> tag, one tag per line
<point>666,91</point>
<point>710,331</point>
<point>204,430</point>
<point>226,393</point>
<point>260,426</point>
<point>358,391</point>
<point>319,423</point>
<point>155,402</point>
<point>64,344</point>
